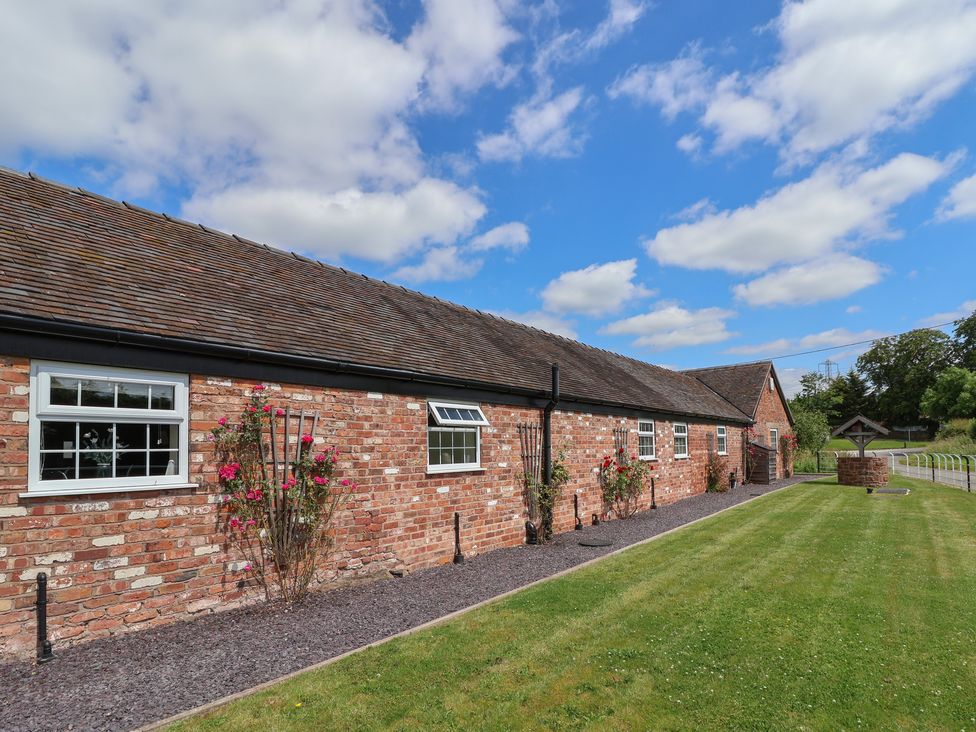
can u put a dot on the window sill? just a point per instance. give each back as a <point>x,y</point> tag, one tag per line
<point>459,469</point>
<point>648,459</point>
<point>682,457</point>
<point>723,454</point>
<point>47,492</point>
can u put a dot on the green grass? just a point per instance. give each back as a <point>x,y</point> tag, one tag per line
<point>839,443</point>
<point>818,607</point>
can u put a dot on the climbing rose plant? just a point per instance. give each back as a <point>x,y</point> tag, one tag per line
<point>279,498</point>
<point>623,480</point>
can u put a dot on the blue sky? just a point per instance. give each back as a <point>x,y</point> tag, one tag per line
<point>690,183</point>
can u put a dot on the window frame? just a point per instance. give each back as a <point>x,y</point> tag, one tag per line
<point>721,436</point>
<point>647,433</point>
<point>674,432</point>
<point>41,410</point>
<point>453,426</point>
<point>774,441</point>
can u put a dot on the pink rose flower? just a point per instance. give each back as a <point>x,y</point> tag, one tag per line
<point>235,522</point>
<point>266,407</point>
<point>251,522</point>
<point>247,567</point>
<point>229,471</point>
<point>321,458</point>
<point>307,439</point>
<point>345,482</point>
<point>279,412</point>
<point>222,421</point>
<point>259,387</point>
<point>319,480</point>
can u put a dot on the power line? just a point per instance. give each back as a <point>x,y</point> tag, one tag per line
<point>855,343</point>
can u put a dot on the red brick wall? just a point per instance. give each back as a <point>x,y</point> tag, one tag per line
<point>771,414</point>
<point>121,561</point>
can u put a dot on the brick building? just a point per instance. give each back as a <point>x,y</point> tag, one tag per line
<point>125,335</point>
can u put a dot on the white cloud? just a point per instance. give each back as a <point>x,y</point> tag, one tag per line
<point>676,86</point>
<point>820,279</point>
<point>964,310</point>
<point>297,109</point>
<point>800,221</point>
<point>595,290</point>
<point>463,42</point>
<point>382,226</point>
<point>440,264</point>
<point>689,144</point>
<point>512,236</point>
<point>789,380</point>
<point>852,309</point>
<point>669,325</point>
<point>621,18</point>
<point>823,339</point>
<point>696,210</point>
<point>961,201</point>
<point>542,320</point>
<point>540,127</point>
<point>844,72</point>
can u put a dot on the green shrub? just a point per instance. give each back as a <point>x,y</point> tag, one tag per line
<point>958,427</point>
<point>972,429</point>
<point>805,461</point>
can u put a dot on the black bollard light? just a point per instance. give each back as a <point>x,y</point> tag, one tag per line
<point>595,520</point>
<point>653,496</point>
<point>531,533</point>
<point>44,652</point>
<point>458,556</point>
<point>579,524</point>
<point>731,481</point>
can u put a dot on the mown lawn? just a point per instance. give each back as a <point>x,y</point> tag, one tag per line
<point>819,607</point>
<point>840,443</point>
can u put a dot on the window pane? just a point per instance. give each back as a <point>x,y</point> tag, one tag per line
<point>164,463</point>
<point>164,436</point>
<point>134,396</point>
<point>470,439</point>
<point>131,464</point>
<point>453,413</point>
<point>433,438</point>
<point>64,391</point>
<point>163,397</point>
<point>645,426</point>
<point>442,413</point>
<point>646,445</point>
<point>459,455</point>
<point>446,457</point>
<point>97,393</point>
<point>131,436</point>
<point>57,466</point>
<point>470,455</point>
<point>433,457</point>
<point>96,436</point>
<point>95,465</point>
<point>58,436</point>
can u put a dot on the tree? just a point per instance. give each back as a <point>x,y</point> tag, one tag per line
<point>854,397</point>
<point>901,368</point>
<point>817,395</point>
<point>965,342</point>
<point>810,427</point>
<point>952,395</point>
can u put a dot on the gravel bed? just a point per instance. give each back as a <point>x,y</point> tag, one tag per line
<point>127,681</point>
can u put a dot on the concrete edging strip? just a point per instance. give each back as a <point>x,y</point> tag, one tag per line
<point>211,705</point>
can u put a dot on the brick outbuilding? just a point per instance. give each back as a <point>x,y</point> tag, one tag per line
<point>125,335</point>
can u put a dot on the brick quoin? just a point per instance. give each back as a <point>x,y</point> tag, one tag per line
<point>123,561</point>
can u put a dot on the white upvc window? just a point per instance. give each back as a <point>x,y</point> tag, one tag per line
<point>646,444</point>
<point>95,429</point>
<point>722,440</point>
<point>454,437</point>
<point>680,440</point>
<point>774,439</point>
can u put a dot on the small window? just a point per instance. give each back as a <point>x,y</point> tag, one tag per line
<point>448,414</point>
<point>774,439</point>
<point>94,429</point>
<point>646,447</point>
<point>771,385</point>
<point>680,440</point>
<point>721,441</point>
<point>454,437</point>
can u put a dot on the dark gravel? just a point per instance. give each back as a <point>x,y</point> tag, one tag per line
<point>125,682</point>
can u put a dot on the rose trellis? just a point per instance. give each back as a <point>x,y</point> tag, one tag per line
<point>280,495</point>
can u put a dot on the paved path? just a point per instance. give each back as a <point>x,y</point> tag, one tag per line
<point>128,681</point>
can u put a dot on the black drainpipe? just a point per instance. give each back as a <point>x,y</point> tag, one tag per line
<point>547,425</point>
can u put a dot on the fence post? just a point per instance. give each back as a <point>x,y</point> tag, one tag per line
<point>818,461</point>
<point>969,485</point>
<point>933,468</point>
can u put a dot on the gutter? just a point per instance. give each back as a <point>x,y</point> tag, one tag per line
<point>547,425</point>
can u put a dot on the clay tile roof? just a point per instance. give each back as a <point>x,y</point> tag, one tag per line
<point>741,384</point>
<point>77,257</point>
